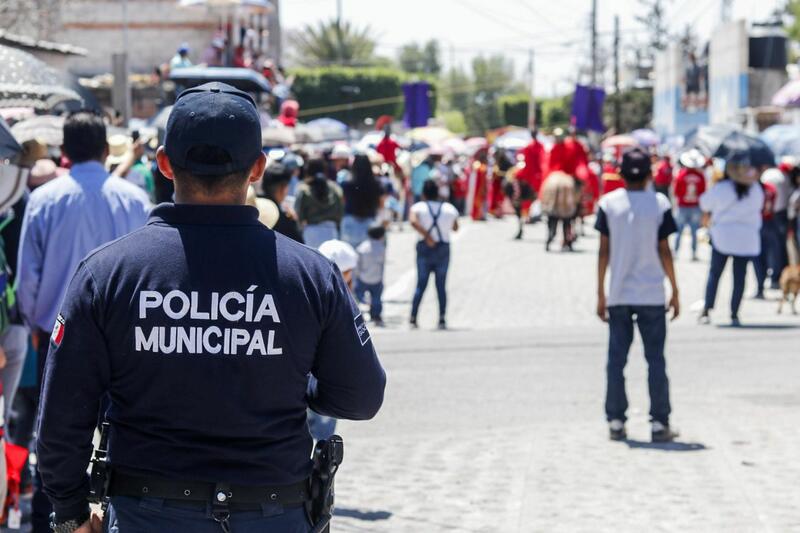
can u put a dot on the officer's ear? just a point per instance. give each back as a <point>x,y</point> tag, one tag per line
<point>163,163</point>
<point>257,170</point>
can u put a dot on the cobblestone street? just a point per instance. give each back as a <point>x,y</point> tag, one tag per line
<point>498,425</point>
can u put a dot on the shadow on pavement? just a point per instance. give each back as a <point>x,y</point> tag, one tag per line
<point>666,446</point>
<point>370,516</point>
<point>759,326</point>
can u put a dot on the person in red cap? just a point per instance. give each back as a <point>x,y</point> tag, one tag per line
<point>288,114</point>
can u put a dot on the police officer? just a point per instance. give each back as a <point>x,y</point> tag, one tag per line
<point>203,329</point>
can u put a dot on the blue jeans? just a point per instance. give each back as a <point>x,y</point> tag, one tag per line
<point>718,262</point>
<point>688,216</point>
<point>769,258</point>
<point>315,234</point>
<point>434,261</point>
<point>153,515</point>
<point>375,290</point>
<point>354,229</point>
<point>652,324</point>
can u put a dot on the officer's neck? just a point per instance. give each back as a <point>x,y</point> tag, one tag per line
<point>195,196</point>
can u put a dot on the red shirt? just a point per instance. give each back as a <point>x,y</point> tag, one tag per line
<point>663,173</point>
<point>690,184</point>
<point>612,181</point>
<point>770,193</point>
<point>388,149</point>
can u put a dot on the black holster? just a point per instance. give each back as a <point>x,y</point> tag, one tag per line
<point>328,455</point>
<point>100,474</point>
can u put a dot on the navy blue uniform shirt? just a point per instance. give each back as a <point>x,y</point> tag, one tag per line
<point>202,327</point>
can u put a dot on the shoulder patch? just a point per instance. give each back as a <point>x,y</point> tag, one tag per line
<point>361,329</point>
<point>58,331</point>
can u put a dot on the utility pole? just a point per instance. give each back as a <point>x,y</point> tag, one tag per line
<point>617,102</point>
<point>531,93</point>
<point>726,7</point>
<point>594,42</point>
<point>339,12</point>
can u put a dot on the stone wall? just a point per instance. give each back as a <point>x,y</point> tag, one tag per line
<point>155,29</point>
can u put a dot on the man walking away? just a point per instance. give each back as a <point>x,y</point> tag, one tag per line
<point>433,220</point>
<point>634,224</point>
<point>65,219</point>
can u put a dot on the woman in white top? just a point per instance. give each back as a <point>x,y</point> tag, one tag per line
<point>734,206</point>
<point>433,220</point>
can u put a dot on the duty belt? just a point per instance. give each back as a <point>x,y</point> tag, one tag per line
<point>235,496</point>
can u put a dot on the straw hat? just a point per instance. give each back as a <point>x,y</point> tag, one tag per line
<point>118,147</point>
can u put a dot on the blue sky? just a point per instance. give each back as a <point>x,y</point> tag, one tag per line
<point>556,29</point>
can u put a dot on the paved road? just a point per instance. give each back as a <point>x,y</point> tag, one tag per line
<point>497,424</point>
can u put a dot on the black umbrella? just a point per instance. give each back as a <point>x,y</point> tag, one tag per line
<point>9,147</point>
<point>27,82</point>
<point>727,143</point>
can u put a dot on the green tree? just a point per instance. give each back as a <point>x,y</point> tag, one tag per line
<point>417,59</point>
<point>456,88</point>
<point>636,109</point>
<point>333,42</point>
<point>555,112</point>
<point>491,77</point>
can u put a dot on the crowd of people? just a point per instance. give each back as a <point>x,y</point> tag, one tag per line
<point>343,200</point>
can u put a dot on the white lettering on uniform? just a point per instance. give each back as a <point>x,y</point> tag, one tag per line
<point>162,344</point>
<point>207,346</point>
<point>148,300</point>
<point>169,298</point>
<point>146,344</point>
<point>271,349</point>
<point>223,306</point>
<point>194,313</point>
<point>267,308</point>
<point>257,343</point>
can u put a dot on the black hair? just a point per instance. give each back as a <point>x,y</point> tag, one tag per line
<point>376,232</point>
<point>84,137</point>
<point>315,172</point>
<point>206,154</point>
<point>365,188</point>
<point>430,190</point>
<point>270,183</point>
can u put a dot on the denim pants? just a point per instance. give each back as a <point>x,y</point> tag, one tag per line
<point>15,343</point>
<point>315,234</point>
<point>688,216</point>
<point>354,229</point>
<point>769,258</point>
<point>153,515</point>
<point>718,262</point>
<point>434,261</point>
<point>375,290</point>
<point>652,324</point>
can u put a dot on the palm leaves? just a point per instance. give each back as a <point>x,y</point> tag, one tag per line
<point>334,41</point>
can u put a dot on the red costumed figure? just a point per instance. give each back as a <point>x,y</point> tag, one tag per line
<point>533,158</point>
<point>478,185</point>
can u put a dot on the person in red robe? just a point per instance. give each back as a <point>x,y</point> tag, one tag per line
<point>502,164</point>
<point>567,155</point>
<point>662,175</point>
<point>288,113</point>
<point>533,159</point>
<point>478,185</point>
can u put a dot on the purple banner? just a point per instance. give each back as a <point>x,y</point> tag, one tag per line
<point>587,108</point>
<point>417,104</point>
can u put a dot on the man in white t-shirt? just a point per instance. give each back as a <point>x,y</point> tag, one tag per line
<point>635,223</point>
<point>434,221</point>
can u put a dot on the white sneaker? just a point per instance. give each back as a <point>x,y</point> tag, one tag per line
<point>616,430</point>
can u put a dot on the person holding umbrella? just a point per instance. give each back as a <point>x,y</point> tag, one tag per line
<point>732,209</point>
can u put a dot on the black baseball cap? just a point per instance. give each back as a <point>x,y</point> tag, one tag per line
<point>635,165</point>
<point>214,114</point>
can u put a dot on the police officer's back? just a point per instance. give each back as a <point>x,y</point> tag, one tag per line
<point>202,327</point>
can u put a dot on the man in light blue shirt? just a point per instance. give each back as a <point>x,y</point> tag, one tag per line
<point>66,219</point>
